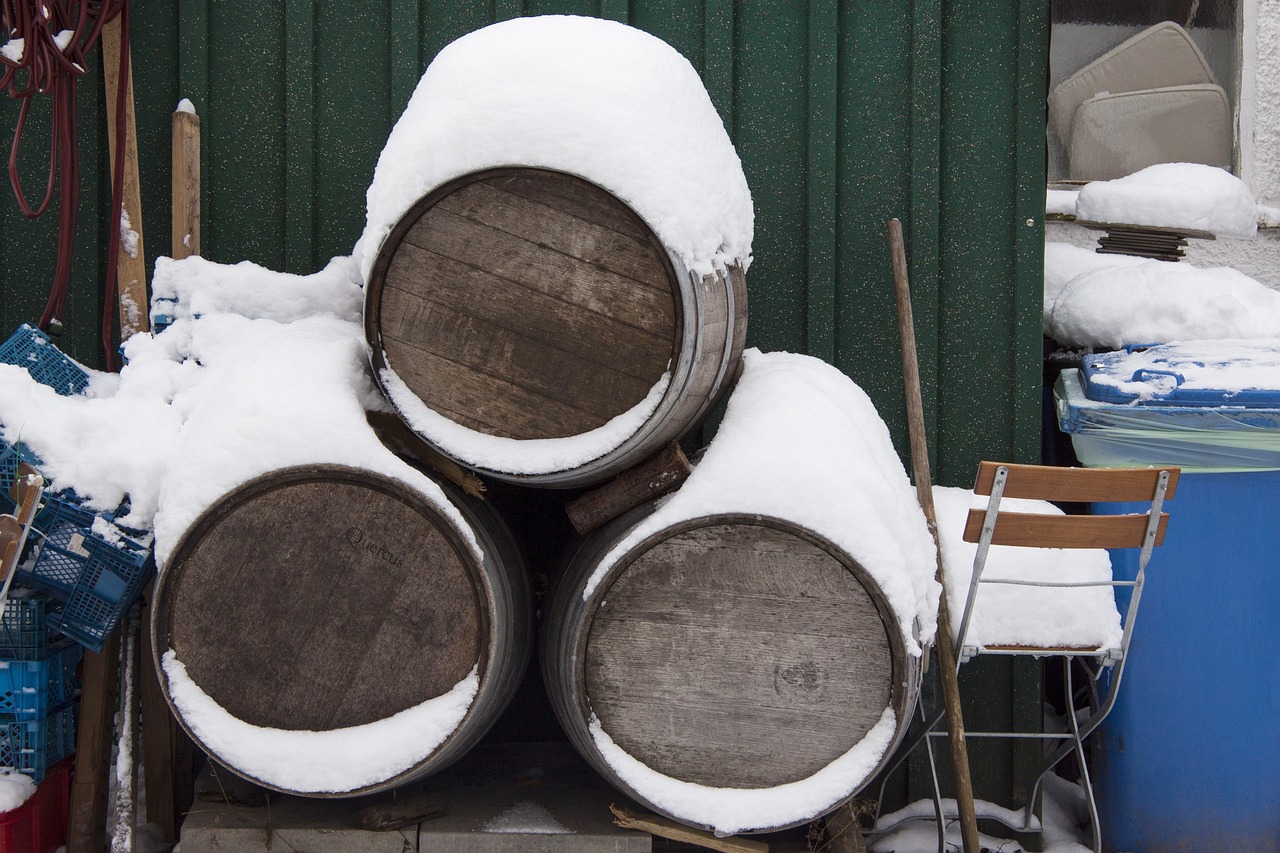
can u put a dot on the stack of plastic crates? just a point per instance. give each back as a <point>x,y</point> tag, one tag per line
<point>78,556</point>
<point>38,686</point>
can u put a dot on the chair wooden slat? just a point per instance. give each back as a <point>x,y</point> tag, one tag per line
<point>1077,485</point>
<point>1034,530</point>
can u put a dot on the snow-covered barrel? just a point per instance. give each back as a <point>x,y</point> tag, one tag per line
<point>554,257</point>
<point>327,630</point>
<point>735,672</point>
<point>531,305</point>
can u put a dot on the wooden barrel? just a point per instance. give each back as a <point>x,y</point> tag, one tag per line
<point>326,599</point>
<point>527,304</point>
<point>731,652</point>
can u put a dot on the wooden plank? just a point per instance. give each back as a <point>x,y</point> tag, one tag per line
<point>656,476</point>
<point>1064,531</point>
<point>526,265</point>
<point>131,262</point>
<point>185,231</point>
<point>739,656</point>
<point>285,659</point>
<point>490,404</point>
<point>87,830</point>
<point>579,198</point>
<point>166,749</point>
<point>631,256</point>
<point>1076,485</point>
<point>663,828</point>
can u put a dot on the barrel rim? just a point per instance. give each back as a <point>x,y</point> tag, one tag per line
<point>264,484</point>
<point>903,677</point>
<point>685,293</point>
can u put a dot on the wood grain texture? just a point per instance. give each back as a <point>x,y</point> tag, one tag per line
<point>737,655</point>
<point>1079,485</point>
<point>185,221</point>
<point>263,598</point>
<point>534,291</point>
<point>86,832</point>
<point>656,476</point>
<point>1032,530</point>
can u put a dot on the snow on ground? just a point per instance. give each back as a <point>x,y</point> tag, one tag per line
<point>1174,195</point>
<point>594,98</point>
<point>527,818</point>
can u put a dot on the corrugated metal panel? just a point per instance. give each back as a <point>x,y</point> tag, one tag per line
<point>844,113</point>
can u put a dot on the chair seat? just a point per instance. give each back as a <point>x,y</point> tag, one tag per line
<point>1083,620</point>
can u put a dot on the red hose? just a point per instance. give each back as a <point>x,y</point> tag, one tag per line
<point>42,67</point>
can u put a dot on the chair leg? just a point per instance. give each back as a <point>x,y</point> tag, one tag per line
<point>937,795</point>
<point>904,752</point>
<point>1085,781</point>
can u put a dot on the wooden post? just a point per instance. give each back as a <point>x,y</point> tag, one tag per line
<point>186,183</point>
<point>924,493</point>
<point>87,830</point>
<point>131,266</point>
<point>656,476</point>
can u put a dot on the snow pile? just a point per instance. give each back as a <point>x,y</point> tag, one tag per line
<point>594,98</point>
<point>1155,301</point>
<point>1023,615</point>
<point>337,760</point>
<point>801,442</point>
<point>1065,261</point>
<point>1230,367</point>
<point>526,818</point>
<point>15,789</point>
<point>1174,195</point>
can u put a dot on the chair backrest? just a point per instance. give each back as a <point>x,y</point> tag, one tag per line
<point>1087,485</point>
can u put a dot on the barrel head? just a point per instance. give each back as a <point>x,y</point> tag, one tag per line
<point>524,303</point>
<point>322,598</point>
<point>738,654</point>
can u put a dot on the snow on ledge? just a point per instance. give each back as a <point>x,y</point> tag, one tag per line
<point>1174,195</point>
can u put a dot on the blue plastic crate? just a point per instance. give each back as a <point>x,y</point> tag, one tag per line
<point>10,457</point>
<point>29,689</point>
<point>25,632</point>
<point>33,746</point>
<point>31,348</point>
<point>97,580</point>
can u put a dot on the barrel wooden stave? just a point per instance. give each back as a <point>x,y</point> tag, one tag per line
<point>263,595</point>
<point>732,651</point>
<point>529,304</point>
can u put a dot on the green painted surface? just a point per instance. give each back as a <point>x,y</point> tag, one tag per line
<point>845,113</point>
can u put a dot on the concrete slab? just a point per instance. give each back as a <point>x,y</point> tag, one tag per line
<point>525,798</point>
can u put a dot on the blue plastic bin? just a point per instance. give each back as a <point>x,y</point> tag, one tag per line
<point>31,348</point>
<point>1190,756</point>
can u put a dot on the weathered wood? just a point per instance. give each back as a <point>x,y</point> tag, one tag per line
<point>402,812</point>
<point>737,656</point>
<point>658,475</point>
<point>663,828</point>
<point>731,651</point>
<point>1076,485</point>
<point>185,149</point>
<point>924,494</point>
<point>1033,530</point>
<point>265,591</point>
<point>131,264</point>
<point>405,443</point>
<point>530,304</point>
<point>86,832</point>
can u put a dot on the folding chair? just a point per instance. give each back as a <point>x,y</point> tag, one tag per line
<point>994,526</point>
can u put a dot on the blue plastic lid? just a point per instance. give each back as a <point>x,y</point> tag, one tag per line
<point>1235,374</point>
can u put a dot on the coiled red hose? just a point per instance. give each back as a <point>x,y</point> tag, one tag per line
<point>45,54</point>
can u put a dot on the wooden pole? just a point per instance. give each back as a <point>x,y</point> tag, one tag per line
<point>186,183</point>
<point>131,265</point>
<point>87,830</point>
<point>924,493</point>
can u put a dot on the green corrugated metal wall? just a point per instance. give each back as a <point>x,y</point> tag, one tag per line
<point>844,113</point>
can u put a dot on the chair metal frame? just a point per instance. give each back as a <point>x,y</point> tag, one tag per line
<point>991,526</point>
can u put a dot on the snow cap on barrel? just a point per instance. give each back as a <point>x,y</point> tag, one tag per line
<point>593,98</point>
